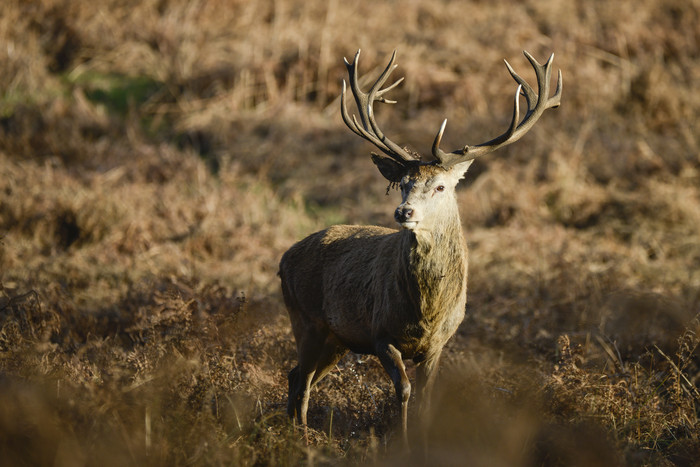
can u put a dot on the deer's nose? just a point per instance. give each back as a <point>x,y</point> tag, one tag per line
<point>403,214</point>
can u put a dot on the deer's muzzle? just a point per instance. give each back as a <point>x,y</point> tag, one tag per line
<point>404,215</point>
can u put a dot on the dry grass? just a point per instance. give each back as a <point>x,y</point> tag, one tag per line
<point>157,157</point>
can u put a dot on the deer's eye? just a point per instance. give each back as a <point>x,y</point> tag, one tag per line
<point>440,188</point>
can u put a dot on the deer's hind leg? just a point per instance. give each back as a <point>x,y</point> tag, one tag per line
<point>309,347</point>
<point>292,397</point>
<point>333,350</point>
<point>318,352</point>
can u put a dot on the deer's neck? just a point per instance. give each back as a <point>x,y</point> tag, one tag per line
<point>437,264</point>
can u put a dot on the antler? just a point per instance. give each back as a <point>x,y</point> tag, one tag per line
<point>369,129</point>
<point>536,105</point>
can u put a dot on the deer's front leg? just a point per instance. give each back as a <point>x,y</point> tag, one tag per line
<point>425,380</point>
<point>392,362</point>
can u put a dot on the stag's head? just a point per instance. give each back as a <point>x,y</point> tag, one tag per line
<point>427,195</point>
<point>428,187</point>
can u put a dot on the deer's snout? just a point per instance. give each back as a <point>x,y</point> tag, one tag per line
<point>404,215</point>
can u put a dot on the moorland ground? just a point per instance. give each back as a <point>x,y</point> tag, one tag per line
<point>158,157</point>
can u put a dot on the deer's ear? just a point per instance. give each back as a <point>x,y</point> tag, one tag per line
<point>460,169</point>
<point>392,170</point>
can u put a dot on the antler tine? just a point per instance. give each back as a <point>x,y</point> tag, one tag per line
<point>368,129</point>
<point>529,94</point>
<point>555,100</point>
<point>355,126</point>
<point>536,105</point>
<point>360,130</point>
<point>438,138</point>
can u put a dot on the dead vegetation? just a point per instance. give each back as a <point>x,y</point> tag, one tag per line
<point>155,161</point>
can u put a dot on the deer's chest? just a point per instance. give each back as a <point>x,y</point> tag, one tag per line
<point>439,301</point>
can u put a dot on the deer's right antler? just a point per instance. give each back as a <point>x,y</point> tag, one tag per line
<point>369,129</point>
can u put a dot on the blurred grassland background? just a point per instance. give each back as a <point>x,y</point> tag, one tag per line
<point>157,157</point>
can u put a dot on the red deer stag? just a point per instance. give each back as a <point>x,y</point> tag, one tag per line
<point>394,294</point>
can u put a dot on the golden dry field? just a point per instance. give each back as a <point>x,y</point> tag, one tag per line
<point>157,157</point>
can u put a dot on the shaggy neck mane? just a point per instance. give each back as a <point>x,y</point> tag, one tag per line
<point>437,264</point>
